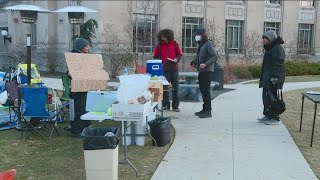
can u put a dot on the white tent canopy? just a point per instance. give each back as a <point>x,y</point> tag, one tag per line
<point>75,9</point>
<point>24,7</point>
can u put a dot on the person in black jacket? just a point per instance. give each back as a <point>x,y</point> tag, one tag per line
<point>272,74</point>
<point>80,98</point>
<point>205,63</point>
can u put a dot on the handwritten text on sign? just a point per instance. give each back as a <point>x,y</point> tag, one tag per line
<point>87,72</point>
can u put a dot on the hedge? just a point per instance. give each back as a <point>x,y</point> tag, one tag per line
<point>291,69</point>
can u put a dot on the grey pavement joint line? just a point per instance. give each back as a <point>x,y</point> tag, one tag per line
<point>232,146</point>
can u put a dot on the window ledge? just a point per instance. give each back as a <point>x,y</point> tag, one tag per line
<point>235,2</point>
<point>307,8</point>
<point>271,5</point>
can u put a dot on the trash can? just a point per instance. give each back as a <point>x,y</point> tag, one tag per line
<point>101,153</point>
<point>160,130</point>
<point>218,76</point>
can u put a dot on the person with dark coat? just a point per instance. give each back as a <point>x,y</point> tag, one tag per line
<point>272,74</point>
<point>169,52</point>
<point>80,98</point>
<point>205,63</point>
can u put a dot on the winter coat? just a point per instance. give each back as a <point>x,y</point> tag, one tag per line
<point>168,50</point>
<point>273,64</point>
<point>206,55</point>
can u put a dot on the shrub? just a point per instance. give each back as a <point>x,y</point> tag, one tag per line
<point>255,70</point>
<point>241,72</point>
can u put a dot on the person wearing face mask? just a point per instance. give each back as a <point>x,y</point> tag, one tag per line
<point>80,98</point>
<point>169,52</point>
<point>272,74</point>
<point>205,63</point>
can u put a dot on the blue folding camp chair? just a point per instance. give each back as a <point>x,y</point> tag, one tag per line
<point>34,113</point>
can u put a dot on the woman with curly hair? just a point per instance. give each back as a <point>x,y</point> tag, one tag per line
<point>169,52</point>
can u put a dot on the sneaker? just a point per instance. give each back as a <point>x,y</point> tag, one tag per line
<point>272,121</point>
<point>263,119</point>
<point>198,113</point>
<point>176,109</point>
<point>205,115</point>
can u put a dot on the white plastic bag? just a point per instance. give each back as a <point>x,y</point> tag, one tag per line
<point>3,97</point>
<point>131,87</point>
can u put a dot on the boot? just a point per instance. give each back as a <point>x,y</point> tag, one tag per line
<point>205,114</point>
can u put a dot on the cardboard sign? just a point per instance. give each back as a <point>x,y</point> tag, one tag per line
<point>87,72</point>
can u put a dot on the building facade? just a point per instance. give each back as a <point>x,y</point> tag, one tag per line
<point>235,26</point>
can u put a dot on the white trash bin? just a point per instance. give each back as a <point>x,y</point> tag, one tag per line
<point>101,164</point>
<point>101,153</point>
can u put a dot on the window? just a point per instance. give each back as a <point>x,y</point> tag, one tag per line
<point>305,38</point>
<point>272,26</point>
<point>307,3</point>
<point>189,25</point>
<point>234,36</point>
<point>272,1</point>
<point>144,32</point>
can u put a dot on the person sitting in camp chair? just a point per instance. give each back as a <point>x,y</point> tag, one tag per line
<point>79,98</point>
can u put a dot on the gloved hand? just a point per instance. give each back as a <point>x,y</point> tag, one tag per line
<point>274,80</point>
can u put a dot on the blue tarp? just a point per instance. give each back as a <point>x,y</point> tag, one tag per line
<point>5,122</point>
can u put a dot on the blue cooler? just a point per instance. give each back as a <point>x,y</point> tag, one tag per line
<point>154,67</point>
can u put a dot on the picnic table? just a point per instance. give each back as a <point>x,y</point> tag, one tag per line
<point>190,86</point>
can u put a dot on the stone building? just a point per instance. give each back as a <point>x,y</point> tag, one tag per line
<point>236,27</point>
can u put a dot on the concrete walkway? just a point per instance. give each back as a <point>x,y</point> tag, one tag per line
<point>232,145</point>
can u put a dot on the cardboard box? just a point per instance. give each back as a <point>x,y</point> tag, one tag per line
<point>131,111</point>
<point>86,71</point>
<point>156,88</point>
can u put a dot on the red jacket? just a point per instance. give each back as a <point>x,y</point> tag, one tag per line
<point>169,50</point>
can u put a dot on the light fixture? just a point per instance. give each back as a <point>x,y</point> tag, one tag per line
<point>4,33</point>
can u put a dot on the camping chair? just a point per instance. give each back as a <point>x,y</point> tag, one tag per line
<point>12,102</point>
<point>34,112</point>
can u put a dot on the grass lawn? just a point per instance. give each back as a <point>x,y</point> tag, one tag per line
<point>62,157</point>
<point>291,119</point>
<point>295,79</point>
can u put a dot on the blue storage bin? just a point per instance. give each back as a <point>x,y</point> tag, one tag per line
<point>154,67</point>
<point>100,101</point>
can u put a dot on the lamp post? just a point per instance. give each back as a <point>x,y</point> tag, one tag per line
<point>29,14</point>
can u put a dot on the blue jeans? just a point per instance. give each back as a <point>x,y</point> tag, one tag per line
<point>173,78</point>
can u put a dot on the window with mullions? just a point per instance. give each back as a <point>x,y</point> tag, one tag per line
<point>234,36</point>
<point>307,3</point>
<point>305,37</point>
<point>272,1</point>
<point>272,26</point>
<point>189,25</point>
<point>144,32</point>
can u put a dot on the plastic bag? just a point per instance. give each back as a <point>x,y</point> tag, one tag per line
<point>3,97</point>
<point>100,138</point>
<point>132,87</point>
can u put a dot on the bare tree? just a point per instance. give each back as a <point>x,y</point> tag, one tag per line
<point>143,12</point>
<point>119,55</point>
<point>252,48</point>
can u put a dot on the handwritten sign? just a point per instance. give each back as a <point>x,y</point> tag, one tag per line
<point>87,72</point>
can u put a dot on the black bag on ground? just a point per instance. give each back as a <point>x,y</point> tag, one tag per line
<point>277,105</point>
<point>160,131</point>
<point>97,138</point>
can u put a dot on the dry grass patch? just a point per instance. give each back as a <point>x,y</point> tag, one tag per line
<point>291,119</point>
